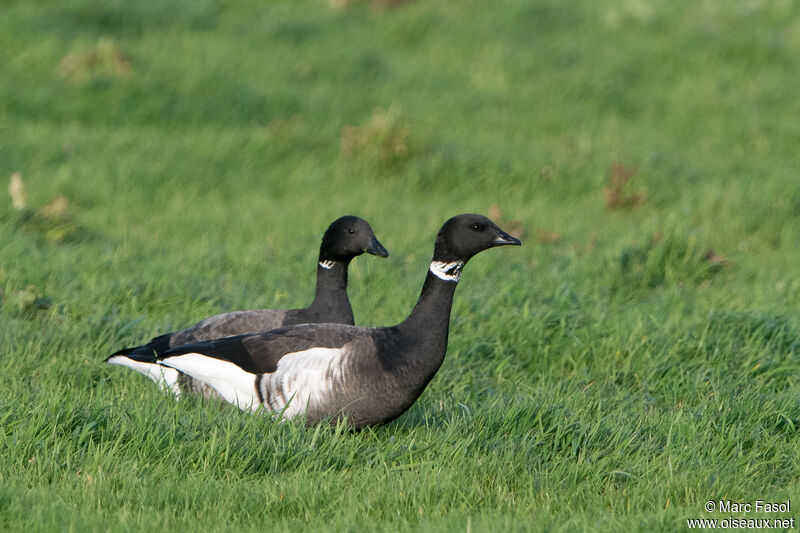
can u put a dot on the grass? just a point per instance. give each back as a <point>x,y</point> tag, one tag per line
<point>637,357</point>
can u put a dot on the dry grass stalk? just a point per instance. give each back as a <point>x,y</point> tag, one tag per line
<point>16,188</point>
<point>383,141</point>
<point>105,58</point>
<point>619,190</point>
<point>341,5</point>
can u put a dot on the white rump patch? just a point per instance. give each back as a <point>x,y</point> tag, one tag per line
<point>303,379</point>
<point>232,383</point>
<point>327,264</point>
<point>165,378</point>
<point>447,271</point>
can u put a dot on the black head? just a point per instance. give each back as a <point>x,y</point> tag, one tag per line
<point>463,236</point>
<point>348,237</point>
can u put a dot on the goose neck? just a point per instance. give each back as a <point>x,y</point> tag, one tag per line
<point>431,314</point>
<point>331,282</point>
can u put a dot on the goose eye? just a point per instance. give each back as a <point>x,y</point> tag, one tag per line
<point>351,230</point>
<point>476,226</point>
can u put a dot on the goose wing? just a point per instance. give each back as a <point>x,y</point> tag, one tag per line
<point>260,353</point>
<point>229,324</point>
<point>234,366</point>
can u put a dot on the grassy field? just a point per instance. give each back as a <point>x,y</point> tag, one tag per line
<point>638,356</point>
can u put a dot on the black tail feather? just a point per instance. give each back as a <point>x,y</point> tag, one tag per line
<point>147,353</point>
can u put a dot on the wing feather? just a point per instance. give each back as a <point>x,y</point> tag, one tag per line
<point>261,352</point>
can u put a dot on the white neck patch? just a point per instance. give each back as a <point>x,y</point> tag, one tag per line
<point>327,264</point>
<point>447,271</point>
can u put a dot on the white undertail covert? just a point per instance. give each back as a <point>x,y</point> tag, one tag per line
<point>235,385</point>
<point>165,378</point>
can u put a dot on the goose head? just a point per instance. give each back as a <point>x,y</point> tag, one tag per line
<point>348,237</point>
<point>463,236</point>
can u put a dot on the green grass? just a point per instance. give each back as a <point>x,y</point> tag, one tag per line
<point>616,372</point>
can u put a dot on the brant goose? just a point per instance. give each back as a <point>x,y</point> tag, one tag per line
<point>320,371</point>
<point>345,238</point>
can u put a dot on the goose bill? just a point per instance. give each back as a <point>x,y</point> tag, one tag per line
<point>376,248</point>
<point>504,238</point>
